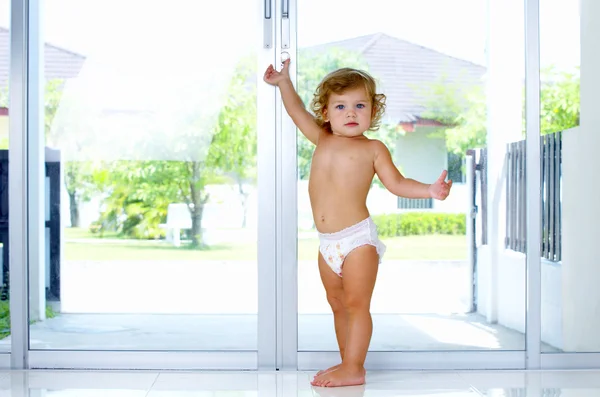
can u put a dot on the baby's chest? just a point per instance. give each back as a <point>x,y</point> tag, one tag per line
<point>348,159</point>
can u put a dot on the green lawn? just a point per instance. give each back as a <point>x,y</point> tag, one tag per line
<point>81,245</point>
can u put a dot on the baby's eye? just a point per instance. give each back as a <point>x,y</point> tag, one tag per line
<point>340,107</point>
<point>360,105</point>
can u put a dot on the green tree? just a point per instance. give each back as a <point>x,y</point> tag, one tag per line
<point>139,193</point>
<point>233,150</point>
<point>77,177</point>
<point>464,111</point>
<point>559,100</point>
<point>208,151</point>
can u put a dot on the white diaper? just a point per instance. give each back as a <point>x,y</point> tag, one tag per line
<point>335,247</point>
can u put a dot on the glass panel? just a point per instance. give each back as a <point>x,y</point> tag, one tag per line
<point>151,177</point>
<point>4,112</point>
<point>447,280</point>
<point>569,294</point>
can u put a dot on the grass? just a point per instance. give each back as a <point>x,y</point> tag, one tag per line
<point>82,245</point>
<point>5,318</point>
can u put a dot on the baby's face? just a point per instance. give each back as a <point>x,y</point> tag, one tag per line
<point>350,112</point>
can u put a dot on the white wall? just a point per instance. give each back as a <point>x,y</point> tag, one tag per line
<point>511,290</point>
<point>510,302</point>
<point>581,195</point>
<point>570,295</point>
<point>457,202</point>
<point>552,310</point>
<point>504,92</point>
<point>422,154</point>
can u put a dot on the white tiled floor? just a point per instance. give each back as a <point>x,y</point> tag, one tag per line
<point>296,384</point>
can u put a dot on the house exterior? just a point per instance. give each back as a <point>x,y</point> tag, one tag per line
<point>59,63</point>
<point>405,72</point>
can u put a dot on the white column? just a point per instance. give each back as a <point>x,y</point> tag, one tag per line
<point>26,175</point>
<point>505,57</point>
<point>36,168</point>
<point>470,230</point>
<point>581,195</point>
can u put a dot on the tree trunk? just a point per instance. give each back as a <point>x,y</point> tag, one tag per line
<point>245,210</point>
<point>197,225</point>
<point>196,206</point>
<point>71,171</point>
<point>244,199</point>
<point>74,208</point>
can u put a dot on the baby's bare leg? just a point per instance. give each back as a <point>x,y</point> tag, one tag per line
<point>335,295</point>
<point>360,273</point>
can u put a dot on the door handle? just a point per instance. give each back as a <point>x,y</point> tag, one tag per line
<point>268,24</point>
<point>285,24</point>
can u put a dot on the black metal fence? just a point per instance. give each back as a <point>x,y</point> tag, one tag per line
<point>4,222</point>
<point>551,200</point>
<point>551,196</point>
<point>479,194</point>
<point>53,222</point>
<point>409,204</point>
<point>516,204</point>
<point>53,175</point>
<point>481,168</point>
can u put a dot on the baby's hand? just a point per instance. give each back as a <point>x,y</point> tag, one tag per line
<point>440,189</point>
<point>274,77</point>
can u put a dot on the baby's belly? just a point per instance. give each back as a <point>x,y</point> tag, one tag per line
<point>335,210</point>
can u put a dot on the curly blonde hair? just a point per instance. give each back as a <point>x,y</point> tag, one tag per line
<point>338,82</point>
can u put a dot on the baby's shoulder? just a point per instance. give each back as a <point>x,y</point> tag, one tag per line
<point>375,146</point>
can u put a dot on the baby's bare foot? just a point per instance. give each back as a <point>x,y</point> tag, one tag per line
<point>324,371</point>
<point>354,391</point>
<point>342,376</point>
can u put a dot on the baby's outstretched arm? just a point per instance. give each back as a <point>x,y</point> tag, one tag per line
<point>397,184</point>
<point>292,101</point>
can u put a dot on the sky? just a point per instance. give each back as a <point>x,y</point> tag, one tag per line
<point>455,27</point>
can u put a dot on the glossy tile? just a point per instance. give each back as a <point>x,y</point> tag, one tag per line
<point>297,384</point>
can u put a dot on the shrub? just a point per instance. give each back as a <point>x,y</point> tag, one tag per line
<point>420,223</point>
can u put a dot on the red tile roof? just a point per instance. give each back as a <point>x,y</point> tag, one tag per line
<point>404,69</point>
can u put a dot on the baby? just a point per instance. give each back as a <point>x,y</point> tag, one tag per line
<point>345,106</point>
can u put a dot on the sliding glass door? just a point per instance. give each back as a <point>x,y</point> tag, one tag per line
<point>151,208</point>
<point>159,210</point>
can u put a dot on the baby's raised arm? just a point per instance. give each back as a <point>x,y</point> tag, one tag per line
<point>397,184</point>
<point>292,102</point>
